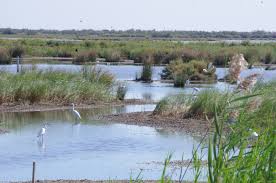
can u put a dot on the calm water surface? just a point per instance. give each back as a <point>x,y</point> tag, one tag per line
<point>91,150</point>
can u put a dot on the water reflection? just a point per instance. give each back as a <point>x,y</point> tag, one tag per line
<point>41,144</point>
<point>109,150</point>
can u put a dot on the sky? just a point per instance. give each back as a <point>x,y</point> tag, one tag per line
<point>204,15</point>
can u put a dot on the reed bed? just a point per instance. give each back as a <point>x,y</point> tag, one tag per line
<point>58,87</point>
<point>234,153</point>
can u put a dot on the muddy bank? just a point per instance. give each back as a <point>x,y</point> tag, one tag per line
<point>51,107</point>
<point>174,123</point>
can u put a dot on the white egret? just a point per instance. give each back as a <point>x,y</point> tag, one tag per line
<point>42,132</point>
<point>187,83</point>
<point>75,112</point>
<point>253,135</point>
<point>205,70</point>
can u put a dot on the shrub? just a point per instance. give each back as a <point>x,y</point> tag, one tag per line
<point>64,53</point>
<point>16,51</point>
<point>96,75</point>
<point>4,56</point>
<point>221,59</point>
<point>180,72</point>
<point>146,72</point>
<point>112,55</point>
<point>121,92</point>
<point>189,54</point>
<point>268,58</point>
<point>85,56</point>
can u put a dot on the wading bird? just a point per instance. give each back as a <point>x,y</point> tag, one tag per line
<point>75,112</point>
<point>42,132</point>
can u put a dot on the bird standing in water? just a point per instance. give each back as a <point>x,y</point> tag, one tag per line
<point>42,132</point>
<point>75,113</point>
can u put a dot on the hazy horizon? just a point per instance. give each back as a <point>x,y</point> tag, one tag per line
<point>196,15</point>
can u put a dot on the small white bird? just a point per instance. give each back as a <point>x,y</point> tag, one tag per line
<point>42,132</point>
<point>75,112</point>
<point>187,83</point>
<point>254,135</point>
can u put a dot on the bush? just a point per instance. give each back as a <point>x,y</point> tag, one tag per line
<point>112,56</point>
<point>16,51</point>
<point>146,72</point>
<point>85,56</point>
<point>121,92</point>
<point>221,59</point>
<point>4,56</point>
<point>268,58</point>
<point>180,72</point>
<point>64,53</point>
<point>189,54</point>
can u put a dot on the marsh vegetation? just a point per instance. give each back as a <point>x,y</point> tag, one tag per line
<point>161,52</point>
<point>57,87</point>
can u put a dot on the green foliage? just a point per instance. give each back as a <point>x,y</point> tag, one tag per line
<point>173,105</point>
<point>205,102</point>
<point>4,56</point>
<point>146,72</point>
<point>34,86</point>
<point>16,51</point>
<point>237,156</point>
<point>180,72</point>
<point>160,52</point>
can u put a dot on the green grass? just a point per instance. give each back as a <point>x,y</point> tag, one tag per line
<point>34,86</point>
<point>233,155</point>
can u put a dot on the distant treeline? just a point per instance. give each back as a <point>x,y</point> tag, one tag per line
<point>146,34</point>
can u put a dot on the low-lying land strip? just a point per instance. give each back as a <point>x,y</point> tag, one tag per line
<point>173,123</point>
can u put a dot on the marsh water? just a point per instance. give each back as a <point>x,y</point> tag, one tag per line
<point>97,149</point>
<point>89,150</point>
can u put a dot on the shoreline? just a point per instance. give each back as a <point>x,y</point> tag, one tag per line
<point>168,123</point>
<point>52,107</point>
<point>171,123</point>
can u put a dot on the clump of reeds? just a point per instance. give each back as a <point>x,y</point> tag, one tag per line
<point>85,57</point>
<point>58,87</point>
<point>146,73</point>
<point>173,105</point>
<point>180,72</point>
